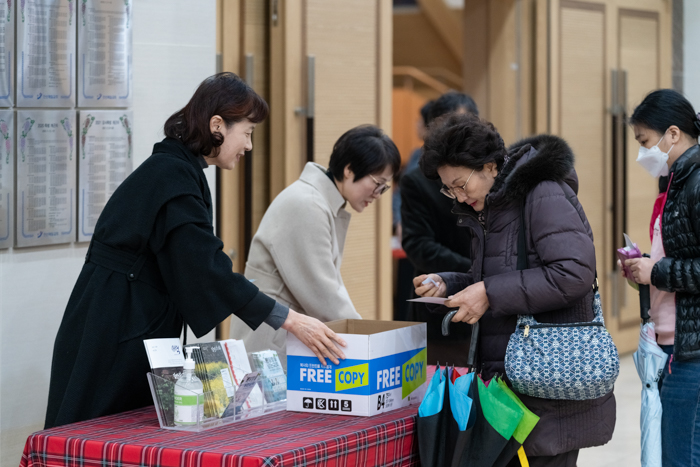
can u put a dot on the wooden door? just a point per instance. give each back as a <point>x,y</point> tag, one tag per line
<point>603,58</point>
<point>349,84</point>
<point>641,67</point>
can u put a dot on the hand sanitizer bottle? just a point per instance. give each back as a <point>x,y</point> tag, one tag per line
<point>189,396</point>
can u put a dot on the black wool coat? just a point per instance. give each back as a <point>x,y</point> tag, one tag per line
<point>679,271</point>
<point>153,262</point>
<point>556,288</point>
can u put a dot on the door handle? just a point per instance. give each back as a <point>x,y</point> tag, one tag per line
<point>310,105</point>
<point>618,110</point>
<point>248,172</point>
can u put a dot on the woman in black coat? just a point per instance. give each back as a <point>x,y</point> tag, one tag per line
<point>491,187</point>
<point>154,264</point>
<point>667,129</point>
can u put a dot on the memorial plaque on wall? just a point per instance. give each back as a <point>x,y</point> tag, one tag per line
<point>7,52</point>
<point>45,53</point>
<point>104,53</point>
<point>7,178</point>
<point>46,177</point>
<point>104,161</point>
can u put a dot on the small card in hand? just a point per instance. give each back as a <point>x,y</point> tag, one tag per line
<point>630,251</point>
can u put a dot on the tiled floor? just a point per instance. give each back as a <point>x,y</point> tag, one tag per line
<point>624,448</point>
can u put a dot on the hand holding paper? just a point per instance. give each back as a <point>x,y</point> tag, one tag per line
<point>429,285</point>
<point>472,303</point>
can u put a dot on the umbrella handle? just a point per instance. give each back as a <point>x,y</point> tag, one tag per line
<point>446,322</point>
<point>472,345</point>
<point>644,302</point>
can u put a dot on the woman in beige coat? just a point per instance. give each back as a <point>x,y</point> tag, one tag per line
<point>296,253</point>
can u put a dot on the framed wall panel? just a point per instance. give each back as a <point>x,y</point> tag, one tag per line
<point>7,178</point>
<point>104,53</point>
<point>46,177</point>
<point>46,53</point>
<point>7,52</point>
<point>105,160</point>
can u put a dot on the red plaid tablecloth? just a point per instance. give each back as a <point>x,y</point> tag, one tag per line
<point>280,439</point>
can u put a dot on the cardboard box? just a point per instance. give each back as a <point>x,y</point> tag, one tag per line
<point>385,368</point>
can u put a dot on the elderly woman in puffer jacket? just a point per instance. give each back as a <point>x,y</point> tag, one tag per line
<point>489,185</point>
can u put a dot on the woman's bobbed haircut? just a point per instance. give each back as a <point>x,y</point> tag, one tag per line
<point>367,150</point>
<point>663,108</point>
<point>225,95</point>
<point>461,140</point>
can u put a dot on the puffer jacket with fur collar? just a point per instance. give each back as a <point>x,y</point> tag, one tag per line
<point>557,286</point>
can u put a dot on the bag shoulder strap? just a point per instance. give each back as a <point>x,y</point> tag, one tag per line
<point>522,244</point>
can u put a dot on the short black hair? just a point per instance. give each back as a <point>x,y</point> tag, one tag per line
<point>367,150</point>
<point>450,102</point>
<point>461,140</point>
<point>665,107</point>
<point>425,111</point>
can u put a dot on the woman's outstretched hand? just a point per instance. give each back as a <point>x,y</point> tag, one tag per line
<point>316,336</point>
<point>429,285</point>
<point>472,303</point>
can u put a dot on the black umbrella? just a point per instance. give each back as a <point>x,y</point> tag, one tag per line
<point>478,424</point>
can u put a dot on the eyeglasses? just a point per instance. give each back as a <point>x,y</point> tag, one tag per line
<point>381,187</point>
<point>452,192</point>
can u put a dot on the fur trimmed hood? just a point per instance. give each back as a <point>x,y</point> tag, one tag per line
<point>532,161</point>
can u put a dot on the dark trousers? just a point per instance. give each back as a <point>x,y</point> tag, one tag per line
<point>567,459</point>
<point>680,422</point>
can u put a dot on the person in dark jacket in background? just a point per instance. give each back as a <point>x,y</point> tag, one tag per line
<point>432,240</point>
<point>667,128</point>
<point>404,272</point>
<point>491,187</point>
<point>154,263</point>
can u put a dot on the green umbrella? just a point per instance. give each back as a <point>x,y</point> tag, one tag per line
<point>497,417</point>
<point>522,431</point>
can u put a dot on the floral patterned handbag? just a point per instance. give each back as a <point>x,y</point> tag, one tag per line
<point>573,361</point>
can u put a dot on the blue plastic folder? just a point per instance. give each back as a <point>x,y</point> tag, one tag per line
<point>434,395</point>
<point>460,402</point>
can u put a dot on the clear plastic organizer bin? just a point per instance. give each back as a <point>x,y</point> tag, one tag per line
<point>220,408</point>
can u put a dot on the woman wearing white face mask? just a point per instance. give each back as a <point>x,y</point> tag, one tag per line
<point>667,128</point>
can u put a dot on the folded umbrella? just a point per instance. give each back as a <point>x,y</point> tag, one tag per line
<point>455,374</point>
<point>433,421</point>
<point>496,416</point>
<point>434,395</point>
<point>522,431</point>
<point>460,402</point>
<point>649,359</point>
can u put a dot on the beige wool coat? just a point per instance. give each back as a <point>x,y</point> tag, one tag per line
<point>295,257</point>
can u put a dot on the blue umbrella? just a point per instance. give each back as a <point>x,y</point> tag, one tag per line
<point>434,395</point>
<point>460,401</point>
<point>650,360</point>
<point>432,423</point>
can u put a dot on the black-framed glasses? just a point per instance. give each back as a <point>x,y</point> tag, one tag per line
<point>381,187</point>
<point>452,192</point>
